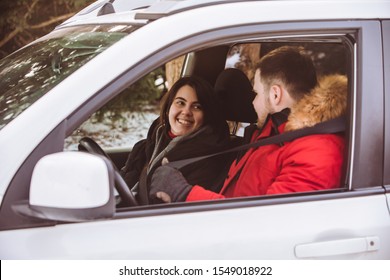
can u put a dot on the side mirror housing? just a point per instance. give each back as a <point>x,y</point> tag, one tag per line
<point>72,187</point>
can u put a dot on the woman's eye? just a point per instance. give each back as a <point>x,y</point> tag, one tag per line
<point>197,107</point>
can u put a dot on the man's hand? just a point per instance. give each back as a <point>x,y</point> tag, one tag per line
<point>168,185</point>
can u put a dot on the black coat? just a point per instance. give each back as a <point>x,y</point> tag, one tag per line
<point>210,173</point>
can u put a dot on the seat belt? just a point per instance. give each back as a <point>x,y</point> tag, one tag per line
<point>332,126</point>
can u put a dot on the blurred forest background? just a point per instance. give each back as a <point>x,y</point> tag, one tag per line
<point>22,21</point>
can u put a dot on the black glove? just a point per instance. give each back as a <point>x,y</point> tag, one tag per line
<point>170,181</point>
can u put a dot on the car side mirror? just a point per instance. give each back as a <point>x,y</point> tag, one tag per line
<point>72,187</point>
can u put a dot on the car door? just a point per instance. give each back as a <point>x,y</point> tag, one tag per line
<point>349,223</point>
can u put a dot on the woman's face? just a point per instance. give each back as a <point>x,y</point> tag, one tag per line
<point>185,114</point>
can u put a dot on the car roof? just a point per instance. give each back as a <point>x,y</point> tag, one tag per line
<point>140,12</point>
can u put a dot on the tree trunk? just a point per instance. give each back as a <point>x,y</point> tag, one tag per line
<point>250,55</point>
<point>173,70</point>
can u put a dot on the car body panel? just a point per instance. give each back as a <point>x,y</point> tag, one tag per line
<point>222,234</point>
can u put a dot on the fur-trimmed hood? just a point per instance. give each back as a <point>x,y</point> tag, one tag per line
<point>328,100</point>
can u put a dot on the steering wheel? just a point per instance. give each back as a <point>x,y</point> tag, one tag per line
<point>89,145</point>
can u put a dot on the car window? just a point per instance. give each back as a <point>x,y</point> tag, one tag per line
<point>126,119</point>
<point>121,123</point>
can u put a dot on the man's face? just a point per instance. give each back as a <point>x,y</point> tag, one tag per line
<point>261,103</point>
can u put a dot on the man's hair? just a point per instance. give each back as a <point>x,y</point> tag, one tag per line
<point>290,66</point>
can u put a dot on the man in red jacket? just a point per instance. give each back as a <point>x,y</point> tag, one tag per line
<point>288,97</point>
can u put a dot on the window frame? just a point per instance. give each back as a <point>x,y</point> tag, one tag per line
<point>386,69</point>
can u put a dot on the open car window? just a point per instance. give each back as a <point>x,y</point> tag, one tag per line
<point>125,120</point>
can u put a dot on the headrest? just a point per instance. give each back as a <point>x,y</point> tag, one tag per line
<point>235,95</point>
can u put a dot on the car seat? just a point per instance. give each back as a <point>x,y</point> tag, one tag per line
<point>235,94</point>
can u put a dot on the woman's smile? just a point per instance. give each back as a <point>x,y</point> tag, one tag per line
<point>185,114</point>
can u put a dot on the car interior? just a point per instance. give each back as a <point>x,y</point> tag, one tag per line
<point>229,68</point>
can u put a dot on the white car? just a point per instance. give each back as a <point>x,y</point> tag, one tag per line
<point>59,203</point>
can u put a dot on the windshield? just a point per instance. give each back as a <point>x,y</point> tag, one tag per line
<point>29,73</point>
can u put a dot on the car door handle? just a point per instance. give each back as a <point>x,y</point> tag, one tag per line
<point>337,247</point>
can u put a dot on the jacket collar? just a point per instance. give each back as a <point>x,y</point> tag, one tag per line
<point>278,119</point>
<point>328,100</point>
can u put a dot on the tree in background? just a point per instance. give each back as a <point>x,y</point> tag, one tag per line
<point>328,58</point>
<point>22,21</point>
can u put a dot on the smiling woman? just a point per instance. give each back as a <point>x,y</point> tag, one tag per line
<point>189,125</point>
<point>185,113</point>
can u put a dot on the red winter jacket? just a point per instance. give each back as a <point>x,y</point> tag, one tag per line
<point>309,163</point>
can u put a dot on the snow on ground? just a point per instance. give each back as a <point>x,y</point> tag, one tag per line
<point>123,133</point>
<point>233,60</point>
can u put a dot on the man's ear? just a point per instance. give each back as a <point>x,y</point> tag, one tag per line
<point>276,93</point>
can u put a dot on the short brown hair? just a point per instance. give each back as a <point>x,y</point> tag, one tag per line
<point>291,66</point>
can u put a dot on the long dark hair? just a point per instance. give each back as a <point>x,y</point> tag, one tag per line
<point>206,98</point>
